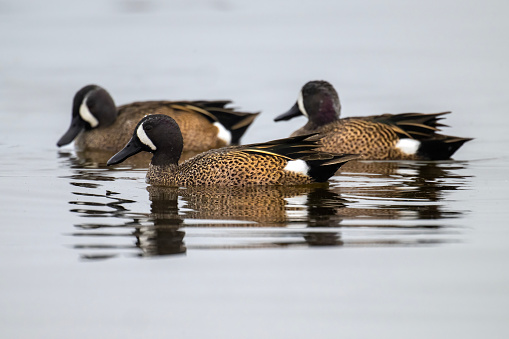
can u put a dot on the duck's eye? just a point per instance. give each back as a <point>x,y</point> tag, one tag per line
<point>147,127</point>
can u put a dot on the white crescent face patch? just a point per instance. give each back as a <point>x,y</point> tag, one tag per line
<point>86,115</point>
<point>140,132</point>
<point>300,103</point>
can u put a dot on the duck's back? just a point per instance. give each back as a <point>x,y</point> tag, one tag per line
<point>370,139</point>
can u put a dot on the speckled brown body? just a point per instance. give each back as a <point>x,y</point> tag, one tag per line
<point>371,140</point>
<point>198,132</point>
<point>228,166</point>
<point>404,136</point>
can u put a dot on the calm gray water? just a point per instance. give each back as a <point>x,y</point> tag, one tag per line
<point>388,250</point>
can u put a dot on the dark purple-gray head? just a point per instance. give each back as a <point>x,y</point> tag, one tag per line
<point>318,101</point>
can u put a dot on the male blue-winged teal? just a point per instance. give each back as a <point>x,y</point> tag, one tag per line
<point>409,136</point>
<point>291,161</point>
<point>97,124</point>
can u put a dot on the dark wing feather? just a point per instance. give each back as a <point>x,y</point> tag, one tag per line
<point>304,147</point>
<point>235,121</point>
<point>440,147</point>
<point>289,148</point>
<point>413,125</point>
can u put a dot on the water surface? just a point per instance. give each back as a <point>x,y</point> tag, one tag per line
<point>387,249</point>
<point>369,203</point>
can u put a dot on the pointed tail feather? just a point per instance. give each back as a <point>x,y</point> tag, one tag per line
<point>440,147</point>
<point>324,165</point>
<point>234,121</point>
<point>239,128</point>
<point>414,125</point>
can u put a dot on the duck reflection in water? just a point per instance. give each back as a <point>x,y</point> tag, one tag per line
<point>385,206</point>
<point>254,212</point>
<point>406,189</point>
<point>166,235</point>
<point>259,206</point>
<point>161,232</point>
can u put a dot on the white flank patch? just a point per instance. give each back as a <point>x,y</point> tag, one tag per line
<point>408,146</point>
<point>140,132</point>
<point>86,115</point>
<point>297,166</point>
<point>300,103</point>
<point>223,133</point>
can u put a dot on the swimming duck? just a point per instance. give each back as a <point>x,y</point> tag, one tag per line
<point>97,124</point>
<point>409,136</point>
<point>291,161</point>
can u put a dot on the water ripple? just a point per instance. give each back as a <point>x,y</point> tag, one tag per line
<point>367,204</point>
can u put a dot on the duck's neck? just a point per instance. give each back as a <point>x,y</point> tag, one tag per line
<point>328,111</point>
<point>168,153</point>
<point>165,159</point>
<point>162,175</point>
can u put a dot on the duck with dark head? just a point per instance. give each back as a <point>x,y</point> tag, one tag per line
<point>405,136</point>
<point>291,161</point>
<point>97,124</point>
